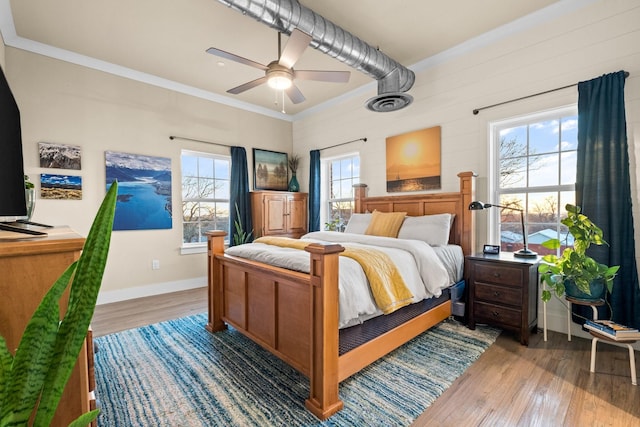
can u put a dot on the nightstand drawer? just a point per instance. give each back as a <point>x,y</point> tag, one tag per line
<point>498,294</point>
<point>497,314</point>
<point>492,273</point>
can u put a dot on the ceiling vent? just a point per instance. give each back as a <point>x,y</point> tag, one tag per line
<point>285,15</point>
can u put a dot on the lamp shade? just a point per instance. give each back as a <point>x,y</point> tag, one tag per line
<point>476,206</point>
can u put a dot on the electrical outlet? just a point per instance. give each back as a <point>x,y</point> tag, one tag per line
<point>155,264</point>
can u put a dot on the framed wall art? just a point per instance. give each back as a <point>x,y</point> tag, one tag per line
<point>64,187</point>
<point>144,190</point>
<point>413,161</point>
<point>270,170</point>
<point>59,156</point>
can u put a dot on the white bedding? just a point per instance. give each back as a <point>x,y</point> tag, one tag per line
<point>421,266</point>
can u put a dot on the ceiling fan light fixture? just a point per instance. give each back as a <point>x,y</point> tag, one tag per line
<point>279,80</point>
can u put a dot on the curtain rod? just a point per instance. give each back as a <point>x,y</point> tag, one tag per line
<point>343,143</point>
<point>477,110</point>
<point>172,137</point>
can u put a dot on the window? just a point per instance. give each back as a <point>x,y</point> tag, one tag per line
<point>205,195</point>
<point>535,160</point>
<point>343,172</point>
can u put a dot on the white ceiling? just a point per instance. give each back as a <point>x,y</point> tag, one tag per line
<point>163,42</point>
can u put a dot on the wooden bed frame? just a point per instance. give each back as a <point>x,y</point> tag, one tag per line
<point>295,315</point>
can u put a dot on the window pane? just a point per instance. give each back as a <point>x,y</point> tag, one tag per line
<point>222,169</point>
<point>513,142</point>
<point>569,133</point>
<point>222,190</point>
<point>335,170</point>
<point>543,170</point>
<point>568,163</point>
<point>543,137</point>
<point>189,187</point>
<point>205,188</point>
<point>205,167</point>
<point>189,166</point>
<point>346,189</point>
<point>513,172</point>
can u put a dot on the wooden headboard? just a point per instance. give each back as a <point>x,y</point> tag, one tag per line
<point>462,231</point>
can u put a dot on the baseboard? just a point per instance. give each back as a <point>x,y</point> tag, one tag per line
<point>106,297</point>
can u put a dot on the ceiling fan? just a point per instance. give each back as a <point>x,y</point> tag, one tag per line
<point>279,74</point>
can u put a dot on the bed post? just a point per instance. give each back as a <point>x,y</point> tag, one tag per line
<point>468,194</point>
<point>360,192</point>
<point>323,398</point>
<point>215,246</point>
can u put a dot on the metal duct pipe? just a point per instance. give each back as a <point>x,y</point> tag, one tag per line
<point>285,15</point>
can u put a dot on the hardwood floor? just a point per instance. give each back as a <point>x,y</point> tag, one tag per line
<point>545,384</point>
<point>119,316</point>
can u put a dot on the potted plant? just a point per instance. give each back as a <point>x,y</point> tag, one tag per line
<point>294,161</point>
<point>30,196</point>
<point>574,273</point>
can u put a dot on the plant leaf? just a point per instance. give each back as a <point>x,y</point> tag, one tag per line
<point>82,300</point>
<point>6,359</point>
<point>85,419</point>
<point>33,355</point>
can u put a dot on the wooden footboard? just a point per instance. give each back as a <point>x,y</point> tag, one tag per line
<point>291,314</point>
<point>295,315</point>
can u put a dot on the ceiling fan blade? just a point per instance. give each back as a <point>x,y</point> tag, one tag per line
<point>298,42</point>
<point>295,95</point>
<point>323,76</point>
<point>236,58</point>
<point>249,85</point>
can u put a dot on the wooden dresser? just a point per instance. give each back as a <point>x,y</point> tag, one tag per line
<point>29,268</point>
<point>279,213</point>
<point>503,292</point>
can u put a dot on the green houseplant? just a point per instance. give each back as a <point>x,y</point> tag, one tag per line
<point>574,266</point>
<point>240,236</point>
<point>32,380</point>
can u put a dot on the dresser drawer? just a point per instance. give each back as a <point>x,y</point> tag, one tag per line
<point>498,294</point>
<point>502,275</point>
<point>497,314</point>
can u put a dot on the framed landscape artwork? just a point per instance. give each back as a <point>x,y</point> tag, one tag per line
<point>270,170</point>
<point>59,156</point>
<point>413,161</point>
<point>65,187</point>
<point>144,190</point>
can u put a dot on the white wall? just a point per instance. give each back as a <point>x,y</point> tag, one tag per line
<point>598,39</point>
<point>68,104</point>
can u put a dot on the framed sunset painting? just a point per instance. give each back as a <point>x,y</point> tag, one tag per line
<point>413,161</point>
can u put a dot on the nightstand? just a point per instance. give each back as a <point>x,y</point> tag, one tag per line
<point>503,292</point>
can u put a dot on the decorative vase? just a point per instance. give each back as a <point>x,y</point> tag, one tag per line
<point>293,184</point>
<point>596,287</point>
<point>30,196</point>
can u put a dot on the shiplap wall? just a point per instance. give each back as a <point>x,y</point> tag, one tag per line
<point>600,38</point>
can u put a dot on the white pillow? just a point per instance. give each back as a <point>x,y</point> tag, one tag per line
<point>358,223</point>
<point>433,229</point>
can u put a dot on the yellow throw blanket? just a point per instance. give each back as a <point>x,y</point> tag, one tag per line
<point>387,286</point>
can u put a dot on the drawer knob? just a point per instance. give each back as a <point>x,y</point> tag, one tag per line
<point>495,314</point>
<point>496,293</point>
<point>495,274</point>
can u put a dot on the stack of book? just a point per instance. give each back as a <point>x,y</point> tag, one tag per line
<point>612,330</point>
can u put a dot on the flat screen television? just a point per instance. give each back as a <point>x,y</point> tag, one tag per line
<point>13,205</point>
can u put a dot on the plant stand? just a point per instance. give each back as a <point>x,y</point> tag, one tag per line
<point>570,300</point>
<point>632,360</point>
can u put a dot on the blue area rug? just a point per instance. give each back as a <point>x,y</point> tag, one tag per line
<point>176,373</point>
